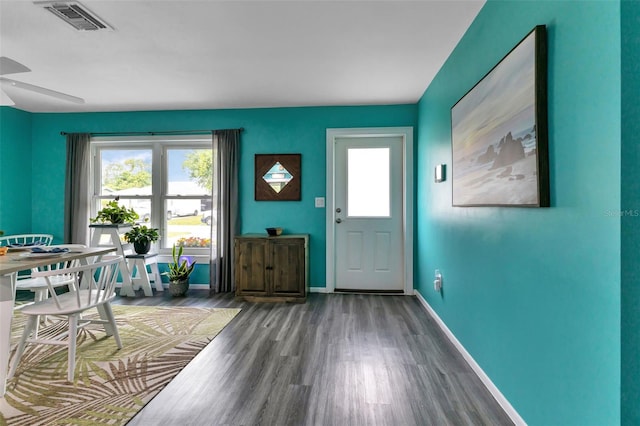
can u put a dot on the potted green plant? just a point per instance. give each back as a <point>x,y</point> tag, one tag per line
<point>116,214</point>
<point>178,273</point>
<point>141,236</point>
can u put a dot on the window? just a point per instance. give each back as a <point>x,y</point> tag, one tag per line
<point>166,180</point>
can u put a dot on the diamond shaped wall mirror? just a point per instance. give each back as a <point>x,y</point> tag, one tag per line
<point>277,177</point>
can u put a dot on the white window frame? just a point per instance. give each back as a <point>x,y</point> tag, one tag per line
<point>159,145</point>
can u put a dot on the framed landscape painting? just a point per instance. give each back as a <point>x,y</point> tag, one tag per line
<point>499,132</point>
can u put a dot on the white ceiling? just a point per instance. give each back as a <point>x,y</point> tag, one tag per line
<point>185,54</point>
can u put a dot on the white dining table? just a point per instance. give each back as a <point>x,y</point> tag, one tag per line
<point>10,265</point>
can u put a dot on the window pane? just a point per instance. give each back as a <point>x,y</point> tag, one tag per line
<point>142,206</point>
<point>190,230</point>
<point>125,172</point>
<point>368,182</point>
<point>188,218</point>
<point>190,171</point>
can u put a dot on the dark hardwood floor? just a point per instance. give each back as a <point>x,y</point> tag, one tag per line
<point>339,359</point>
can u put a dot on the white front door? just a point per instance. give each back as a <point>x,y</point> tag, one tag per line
<point>368,212</point>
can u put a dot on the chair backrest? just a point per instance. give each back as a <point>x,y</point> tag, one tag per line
<point>59,265</point>
<point>63,265</point>
<point>26,240</point>
<point>101,288</point>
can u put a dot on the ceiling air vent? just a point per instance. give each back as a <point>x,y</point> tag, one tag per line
<point>75,14</point>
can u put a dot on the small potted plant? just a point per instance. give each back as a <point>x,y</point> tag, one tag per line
<point>116,214</point>
<point>179,272</point>
<point>141,236</point>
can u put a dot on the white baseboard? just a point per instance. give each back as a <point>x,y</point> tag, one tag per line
<point>495,392</point>
<point>166,285</point>
<point>206,287</point>
<point>192,285</point>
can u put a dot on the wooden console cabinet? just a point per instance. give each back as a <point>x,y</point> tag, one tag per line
<point>272,269</point>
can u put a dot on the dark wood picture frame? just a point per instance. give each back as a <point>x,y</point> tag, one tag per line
<point>499,132</point>
<point>291,191</point>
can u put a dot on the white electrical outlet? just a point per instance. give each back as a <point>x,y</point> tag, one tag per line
<point>437,283</point>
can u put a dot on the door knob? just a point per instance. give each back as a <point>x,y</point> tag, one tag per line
<point>338,220</point>
<point>338,210</point>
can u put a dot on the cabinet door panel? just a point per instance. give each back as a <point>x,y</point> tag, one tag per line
<point>287,263</point>
<point>251,267</point>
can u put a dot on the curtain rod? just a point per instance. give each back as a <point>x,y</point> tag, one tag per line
<point>163,132</point>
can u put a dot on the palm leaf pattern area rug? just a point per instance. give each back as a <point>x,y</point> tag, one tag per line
<point>110,385</point>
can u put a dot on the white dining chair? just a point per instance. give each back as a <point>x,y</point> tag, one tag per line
<point>71,305</point>
<point>40,287</point>
<point>26,240</point>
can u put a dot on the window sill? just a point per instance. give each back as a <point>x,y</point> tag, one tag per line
<point>201,259</point>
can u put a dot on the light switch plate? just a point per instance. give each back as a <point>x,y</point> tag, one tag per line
<point>319,202</point>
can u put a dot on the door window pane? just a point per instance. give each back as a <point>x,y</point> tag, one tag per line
<point>368,178</point>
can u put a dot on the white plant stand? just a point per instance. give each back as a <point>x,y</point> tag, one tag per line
<point>139,275</point>
<point>109,235</point>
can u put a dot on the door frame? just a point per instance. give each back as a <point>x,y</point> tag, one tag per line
<point>406,133</point>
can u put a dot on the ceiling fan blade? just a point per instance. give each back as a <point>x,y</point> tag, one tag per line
<point>42,90</point>
<point>9,66</point>
<point>5,100</point>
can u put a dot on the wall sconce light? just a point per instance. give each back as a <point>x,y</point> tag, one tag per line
<point>440,173</point>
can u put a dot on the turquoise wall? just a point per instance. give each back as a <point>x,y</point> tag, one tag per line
<point>630,22</point>
<point>277,130</point>
<point>545,300</point>
<point>534,294</point>
<point>15,171</point>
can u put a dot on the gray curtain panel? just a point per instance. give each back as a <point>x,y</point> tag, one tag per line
<point>76,214</point>
<point>225,223</point>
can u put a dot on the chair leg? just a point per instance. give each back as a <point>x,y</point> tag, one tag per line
<point>112,322</point>
<point>40,295</point>
<point>73,334</point>
<point>30,326</point>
